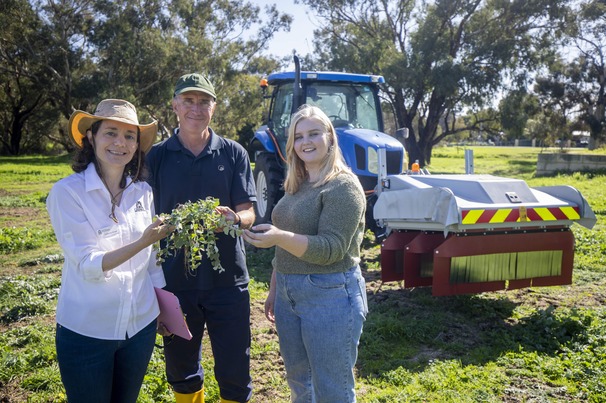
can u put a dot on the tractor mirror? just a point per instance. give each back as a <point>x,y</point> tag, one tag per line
<point>402,133</point>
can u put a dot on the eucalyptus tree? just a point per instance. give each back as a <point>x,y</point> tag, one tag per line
<point>66,59</point>
<point>586,74</point>
<point>19,95</point>
<point>42,53</point>
<point>32,69</point>
<point>224,40</point>
<point>61,55</point>
<point>135,43</point>
<point>440,58</point>
<point>143,46</point>
<point>516,108</point>
<point>572,88</point>
<point>558,98</point>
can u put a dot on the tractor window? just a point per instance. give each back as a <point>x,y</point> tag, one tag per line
<point>331,99</point>
<point>345,104</point>
<point>366,109</point>
<point>281,112</point>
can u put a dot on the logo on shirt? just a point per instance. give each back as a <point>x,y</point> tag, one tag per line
<point>221,168</point>
<point>139,207</point>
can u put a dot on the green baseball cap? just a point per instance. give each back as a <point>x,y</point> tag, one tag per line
<point>194,82</point>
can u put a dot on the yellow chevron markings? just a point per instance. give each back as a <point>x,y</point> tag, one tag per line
<point>571,213</point>
<point>500,216</point>
<point>545,214</point>
<point>472,217</point>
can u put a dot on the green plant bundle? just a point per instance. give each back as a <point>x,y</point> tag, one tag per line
<point>196,227</point>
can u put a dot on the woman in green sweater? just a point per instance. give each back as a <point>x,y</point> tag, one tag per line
<point>317,296</point>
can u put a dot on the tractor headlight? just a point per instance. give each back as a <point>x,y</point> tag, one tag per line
<point>373,160</point>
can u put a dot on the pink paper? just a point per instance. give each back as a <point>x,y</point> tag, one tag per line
<point>171,314</point>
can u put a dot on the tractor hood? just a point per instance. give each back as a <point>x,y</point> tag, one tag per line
<point>366,137</point>
<point>360,149</point>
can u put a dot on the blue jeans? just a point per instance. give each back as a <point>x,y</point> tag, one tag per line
<point>319,320</point>
<point>101,371</point>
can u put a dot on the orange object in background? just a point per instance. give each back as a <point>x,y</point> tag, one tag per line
<point>415,167</point>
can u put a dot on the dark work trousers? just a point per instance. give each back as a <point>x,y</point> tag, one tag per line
<point>225,312</point>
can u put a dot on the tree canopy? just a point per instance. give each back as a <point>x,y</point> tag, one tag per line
<point>451,66</point>
<point>440,59</point>
<point>60,55</point>
<point>578,85</point>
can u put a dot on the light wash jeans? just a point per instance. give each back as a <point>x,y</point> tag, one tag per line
<point>319,320</point>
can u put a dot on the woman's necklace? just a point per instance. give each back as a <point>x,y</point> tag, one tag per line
<point>114,199</point>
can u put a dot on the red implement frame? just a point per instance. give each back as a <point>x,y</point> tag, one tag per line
<point>405,255</point>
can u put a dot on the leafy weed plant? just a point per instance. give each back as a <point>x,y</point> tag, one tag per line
<point>14,239</point>
<point>196,225</point>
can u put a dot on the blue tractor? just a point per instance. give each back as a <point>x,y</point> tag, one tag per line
<point>352,102</point>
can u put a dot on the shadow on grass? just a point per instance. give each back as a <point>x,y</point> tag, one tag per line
<point>517,168</point>
<point>258,262</point>
<point>410,328</point>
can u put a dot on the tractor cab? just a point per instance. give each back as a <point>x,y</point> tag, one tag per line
<point>350,100</point>
<point>352,103</point>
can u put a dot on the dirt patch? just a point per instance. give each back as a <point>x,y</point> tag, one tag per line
<point>11,392</point>
<point>589,295</point>
<point>268,359</point>
<point>17,216</point>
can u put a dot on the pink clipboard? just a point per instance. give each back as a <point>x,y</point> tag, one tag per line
<point>171,314</point>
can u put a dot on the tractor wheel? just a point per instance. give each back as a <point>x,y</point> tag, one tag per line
<point>269,177</point>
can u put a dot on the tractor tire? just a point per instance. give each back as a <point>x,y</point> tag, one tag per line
<point>269,178</point>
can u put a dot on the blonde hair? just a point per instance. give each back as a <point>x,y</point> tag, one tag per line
<point>333,164</point>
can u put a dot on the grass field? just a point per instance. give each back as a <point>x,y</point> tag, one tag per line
<point>530,345</point>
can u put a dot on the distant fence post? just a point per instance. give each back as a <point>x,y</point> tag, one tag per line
<point>469,162</point>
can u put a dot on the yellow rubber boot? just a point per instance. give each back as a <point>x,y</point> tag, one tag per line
<point>197,397</point>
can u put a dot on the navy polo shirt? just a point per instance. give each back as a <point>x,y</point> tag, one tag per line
<point>222,170</point>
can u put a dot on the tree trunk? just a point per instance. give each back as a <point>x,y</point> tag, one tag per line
<point>16,133</point>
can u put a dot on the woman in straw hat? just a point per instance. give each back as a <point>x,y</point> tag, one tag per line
<point>102,216</point>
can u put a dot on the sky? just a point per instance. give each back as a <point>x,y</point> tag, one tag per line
<point>301,32</point>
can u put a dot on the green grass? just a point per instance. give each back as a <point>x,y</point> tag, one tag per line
<point>531,345</point>
<point>31,174</point>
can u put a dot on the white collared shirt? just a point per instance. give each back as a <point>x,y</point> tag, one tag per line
<point>104,305</point>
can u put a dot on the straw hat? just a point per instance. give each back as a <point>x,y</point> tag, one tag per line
<point>111,109</point>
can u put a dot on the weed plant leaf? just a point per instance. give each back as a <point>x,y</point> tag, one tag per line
<point>196,226</point>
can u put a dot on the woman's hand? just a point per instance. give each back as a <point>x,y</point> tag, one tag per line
<point>266,236</point>
<point>270,301</point>
<point>262,235</point>
<point>156,231</point>
<point>269,307</point>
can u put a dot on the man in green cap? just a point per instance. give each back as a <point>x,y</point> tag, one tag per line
<point>192,164</point>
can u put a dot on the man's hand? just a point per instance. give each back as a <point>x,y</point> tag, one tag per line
<point>162,330</point>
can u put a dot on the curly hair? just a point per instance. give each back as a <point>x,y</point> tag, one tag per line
<point>136,168</point>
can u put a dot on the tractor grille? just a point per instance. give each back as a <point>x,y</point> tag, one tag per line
<point>394,160</point>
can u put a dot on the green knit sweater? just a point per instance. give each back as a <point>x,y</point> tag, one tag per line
<point>332,217</point>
